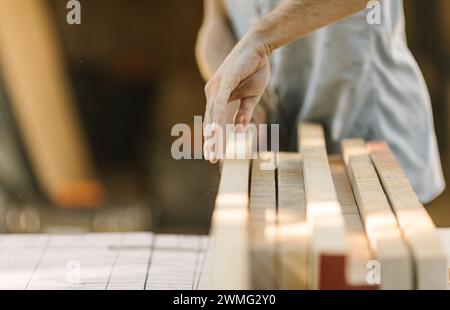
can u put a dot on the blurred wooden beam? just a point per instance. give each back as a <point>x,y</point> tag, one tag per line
<point>33,69</point>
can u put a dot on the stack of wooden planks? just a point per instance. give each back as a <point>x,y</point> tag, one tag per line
<point>311,221</point>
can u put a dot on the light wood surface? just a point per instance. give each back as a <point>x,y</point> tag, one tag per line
<point>263,213</point>
<point>322,207</point>
<point>230,221</point>
<point>142,261</point>
<point>359,254</point>
<point>380,223</point>
<point>417,227</point>
<point>322,222</point>
<point>293,229</point>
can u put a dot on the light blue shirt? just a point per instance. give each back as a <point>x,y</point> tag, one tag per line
<point>359,80</point>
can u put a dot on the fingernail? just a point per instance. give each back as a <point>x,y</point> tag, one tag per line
<point>240,128</point>
<point>242,120</point>
<point>213,158</point>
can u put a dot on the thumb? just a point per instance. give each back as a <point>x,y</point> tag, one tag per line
<point>246,109</point>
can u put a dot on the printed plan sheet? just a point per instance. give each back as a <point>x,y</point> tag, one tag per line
<point>117,261</point>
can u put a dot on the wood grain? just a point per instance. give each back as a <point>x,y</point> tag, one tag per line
<point>230,222</point>
<point>322,207</point>
<point>293,229</point>
<point>263,215</point>
<point>359,254</point>
<point>380,223</point>
<point>416,225</point>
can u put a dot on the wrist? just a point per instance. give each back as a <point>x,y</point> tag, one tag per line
<point>258,37</point>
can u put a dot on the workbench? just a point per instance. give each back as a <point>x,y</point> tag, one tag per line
<point>99,261</point>
<point>110,261</point>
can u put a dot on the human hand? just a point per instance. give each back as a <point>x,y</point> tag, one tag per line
<point>241,79</point>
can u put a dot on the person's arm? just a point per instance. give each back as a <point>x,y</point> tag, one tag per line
<point>214,42</point>
<point>293,19</point>
<point>290,20</point>
<point>215,38</point>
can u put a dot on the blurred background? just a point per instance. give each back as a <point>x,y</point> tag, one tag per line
<point>129,75</point>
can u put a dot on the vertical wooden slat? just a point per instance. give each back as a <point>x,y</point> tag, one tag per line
<point>262,217</point>
<point>380,223</point>
<point>417,227</point>
<point>322,207</point>
<point>293,230</point>
<point>229,230</point>
<point>360,255</point>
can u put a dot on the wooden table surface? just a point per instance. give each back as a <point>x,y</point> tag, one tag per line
<point>133,261</point>
<point>112,261</point>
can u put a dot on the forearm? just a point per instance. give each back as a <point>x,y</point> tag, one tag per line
<point>293,19</point>
<point>214,42</point>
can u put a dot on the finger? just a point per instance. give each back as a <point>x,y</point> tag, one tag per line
<point>208,132</point>
<point>209,152</point>
<point>210,92</point>
<point>210,148</point>
<point>214,133</point>
<point>246,109</point>
<point>213,159</point>
<point>228,83</point>
<point>208,115</point>
<point>206,149</point>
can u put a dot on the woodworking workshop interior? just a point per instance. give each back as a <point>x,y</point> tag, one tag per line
<point>224,145</point>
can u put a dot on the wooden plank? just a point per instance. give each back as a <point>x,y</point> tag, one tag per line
<point>443,235</point>
<point>16,176</point>
<point>32,66</point>
<point>229,230</point>
<point>230,267</point>
<point>380,223</point>
<point>322,207</point>
<point>417,227</point>
<point>262,214</point>
<point>359,250</point>
<point>293,231</point>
